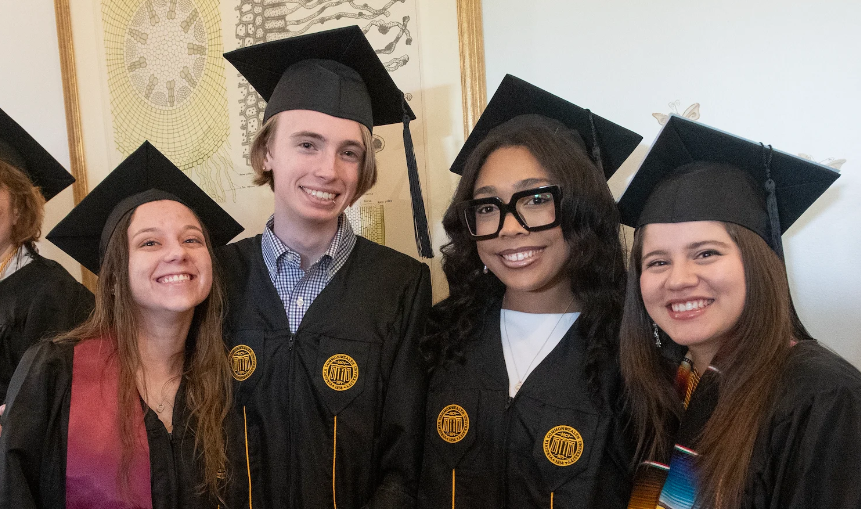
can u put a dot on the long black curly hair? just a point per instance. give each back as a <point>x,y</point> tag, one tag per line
<point>590,225</point>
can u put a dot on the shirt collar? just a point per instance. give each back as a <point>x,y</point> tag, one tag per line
<point>21,258</point>
<point>333,259</point>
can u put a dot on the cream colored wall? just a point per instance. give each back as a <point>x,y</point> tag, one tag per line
<point>443,117</point>
<point>783,72</point>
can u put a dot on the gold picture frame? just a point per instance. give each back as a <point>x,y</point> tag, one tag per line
<point>68,72</point>
<point>472,66</point>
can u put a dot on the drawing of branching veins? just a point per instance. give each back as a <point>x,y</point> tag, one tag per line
<point>167,84</point>
<point>389,33</point>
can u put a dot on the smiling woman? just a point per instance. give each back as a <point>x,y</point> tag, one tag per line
<point>693,284</point>
<point>129,408</point>
<point>522,406</point>
<point>734,404</point>
<point>170,269</point>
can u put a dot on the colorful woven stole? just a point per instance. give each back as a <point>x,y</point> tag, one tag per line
<point>93,454</point>
<point>673,486</point>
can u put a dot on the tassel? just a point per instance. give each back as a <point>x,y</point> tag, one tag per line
<point>771,202</point>
<point>596,149</point>
<point>420,222</point>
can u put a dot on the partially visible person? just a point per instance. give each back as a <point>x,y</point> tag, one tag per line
<point>524,403</point>
<point>128,409</point>
<point>734,407</point>
<point>323,324</point>
<point>38,297</point>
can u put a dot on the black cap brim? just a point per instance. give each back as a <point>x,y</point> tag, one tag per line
<point>798,182</point>
<point>43,170</point>
<point>264,64</point>
<point>516,97</point>
<point>79,234</point>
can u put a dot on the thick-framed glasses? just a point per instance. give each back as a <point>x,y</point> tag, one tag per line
<point>535,209</point>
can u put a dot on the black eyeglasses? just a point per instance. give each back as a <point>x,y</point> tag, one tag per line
<point>535,209</point>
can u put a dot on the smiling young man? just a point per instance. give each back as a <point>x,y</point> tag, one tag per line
<point>323,325</point>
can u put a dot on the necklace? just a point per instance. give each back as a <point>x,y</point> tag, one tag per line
<point>6,261</point>
<point>520,379</point>
<point>163,403</point>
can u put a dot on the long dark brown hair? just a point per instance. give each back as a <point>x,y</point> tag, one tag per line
<point>590,225</point>
<point>205,369</point>
<point>750,359</point>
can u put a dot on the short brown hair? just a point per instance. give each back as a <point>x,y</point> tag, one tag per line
<point>260,147</point>
<point>27,201</point>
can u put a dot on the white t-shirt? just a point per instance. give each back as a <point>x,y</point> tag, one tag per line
<point>527,338</point>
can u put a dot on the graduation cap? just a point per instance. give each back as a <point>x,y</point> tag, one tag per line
<point>336,72</point>
<point>20,150</point>
<point>608,144</point>
<point>144,176</point>
<point>694,172</point>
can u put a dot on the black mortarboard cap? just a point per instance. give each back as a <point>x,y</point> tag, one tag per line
<point>608,144</point>
<point>336,72</point>
<point>20,150</point>
<point>144,176</point>
<point>694,172</point>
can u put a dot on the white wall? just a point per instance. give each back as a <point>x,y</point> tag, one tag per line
<point>784,72</point>
<point>31,92</point>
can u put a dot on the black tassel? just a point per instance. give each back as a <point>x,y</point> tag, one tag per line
<point>771,202</point>
<point>420,222</point>
<point>596,148</point>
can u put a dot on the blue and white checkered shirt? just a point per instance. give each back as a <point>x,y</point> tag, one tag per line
<point>298,288</point>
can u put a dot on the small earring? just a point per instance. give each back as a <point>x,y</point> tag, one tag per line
<point>485,269</point>
<point>656,334</point>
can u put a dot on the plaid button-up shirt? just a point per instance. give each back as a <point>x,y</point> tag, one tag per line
<point>298,288</point>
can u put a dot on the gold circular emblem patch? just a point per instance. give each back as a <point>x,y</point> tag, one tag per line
<point>340,372</point>
<point>452,423</point>
<point>563,445</point>
<point>243,362</point>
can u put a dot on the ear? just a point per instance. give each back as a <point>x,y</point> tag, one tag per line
<point>267,161</point>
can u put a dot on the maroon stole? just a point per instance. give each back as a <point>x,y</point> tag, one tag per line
<point>93,454</point>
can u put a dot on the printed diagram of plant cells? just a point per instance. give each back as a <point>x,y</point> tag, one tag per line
<point>372,221</point>
<point>167,84</point>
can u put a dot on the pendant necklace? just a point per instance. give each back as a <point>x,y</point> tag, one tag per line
<point>520,379</point>
<point>161,406</point>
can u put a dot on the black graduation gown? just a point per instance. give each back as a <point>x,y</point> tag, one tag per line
<point>516,451</point>
<point>370,316</point>
<point>35,435</point>
<point>809,455</point>
<point>39,300</point>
